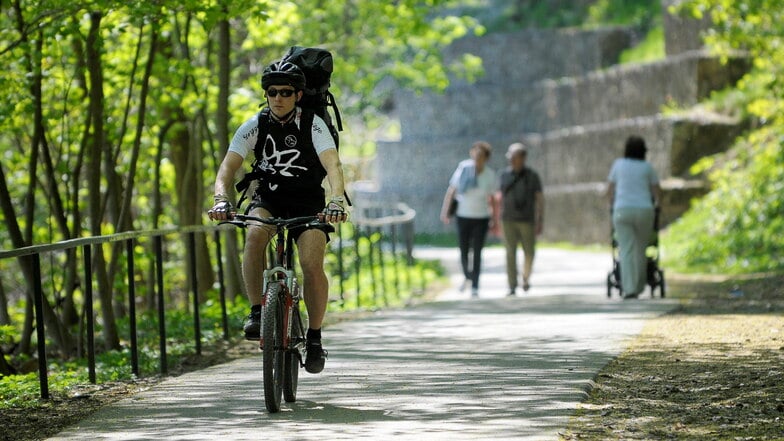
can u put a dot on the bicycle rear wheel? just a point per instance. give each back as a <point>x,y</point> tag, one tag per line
<point>273,354</point>
<point>291,362</point>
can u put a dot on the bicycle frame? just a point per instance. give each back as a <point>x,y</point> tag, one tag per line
<point>281,357</point>
<point>282,272</point>
<point>282,269</point>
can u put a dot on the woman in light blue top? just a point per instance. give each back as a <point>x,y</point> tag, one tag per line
<point>634,193</point>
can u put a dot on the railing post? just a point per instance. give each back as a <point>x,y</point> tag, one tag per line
<point>195,288</point>
<point>222,285</point>
<point>158,243</point>
<point>38,299</point>
<point>88,311</point>
<point>341,283</point>
<point>410,242</point>
<point>358,263</point>
<point>371,263</point>
<point>410,256</point>
<point>132,307</point>
<point>381,264</point>
<point>395,274</point>
<point>406,264</point>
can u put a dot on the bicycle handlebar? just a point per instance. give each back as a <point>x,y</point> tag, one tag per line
<point>241,220</point>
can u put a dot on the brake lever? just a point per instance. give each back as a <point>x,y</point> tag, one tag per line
<point>233,222</point>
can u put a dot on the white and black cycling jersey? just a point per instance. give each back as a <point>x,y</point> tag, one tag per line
<point>246,136</point>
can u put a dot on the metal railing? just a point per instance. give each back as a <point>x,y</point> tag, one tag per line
<point>380,223</point>
<point>390,226</point>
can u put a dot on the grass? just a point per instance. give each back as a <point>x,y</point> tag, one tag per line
<point>390,285</point>
<point>115,365</point>
<point>651,48</point>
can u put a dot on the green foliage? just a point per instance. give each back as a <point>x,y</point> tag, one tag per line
<point>436,239</point>
<point>48,157</point>
<point>19,391</point>
<point>373,276</point>
<point>8,334</point>
<point>651,48</point>
<point>374,42</point>
<point>738,227</point>
<point>640,13</point>
<point>22,390</point>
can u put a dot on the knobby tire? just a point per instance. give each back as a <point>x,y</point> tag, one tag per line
<point>273,354</point>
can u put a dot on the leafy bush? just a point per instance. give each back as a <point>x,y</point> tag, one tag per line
<point>739,226</point>
<point>641,13</point>
<point>651,48</point>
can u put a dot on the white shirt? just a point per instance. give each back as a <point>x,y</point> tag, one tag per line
<point>473,202</point>
<point>245,137</point>
<point>633,180</point>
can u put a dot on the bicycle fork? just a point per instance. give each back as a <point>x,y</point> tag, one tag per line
<point>296,337</point>
<point>288,299</point>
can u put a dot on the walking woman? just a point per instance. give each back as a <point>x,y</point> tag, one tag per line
<point>472,186</point>
<point>634,193</point>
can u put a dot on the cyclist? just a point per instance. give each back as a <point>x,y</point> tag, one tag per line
<point>297,153</point>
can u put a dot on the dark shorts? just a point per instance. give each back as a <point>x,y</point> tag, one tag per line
<point>288,209</point>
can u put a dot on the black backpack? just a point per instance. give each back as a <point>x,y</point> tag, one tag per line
<point>317,65</point>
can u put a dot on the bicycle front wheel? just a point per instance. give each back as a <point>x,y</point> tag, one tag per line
<point>273,353</point>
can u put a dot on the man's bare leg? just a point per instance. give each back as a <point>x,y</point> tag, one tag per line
<point>312,245</point>
<point>253,264</point>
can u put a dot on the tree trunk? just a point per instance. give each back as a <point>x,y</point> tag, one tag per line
<point>5,319</point>
<point>59,333</point>
<point>69,314</point>
<point>186,155</point>
<point>5,368</point>
<point>233,272</point>
<point>125,218</point>
<point>25,343</point>
<point>97,143</point>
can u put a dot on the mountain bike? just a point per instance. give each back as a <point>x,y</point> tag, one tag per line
<point>282,339</point>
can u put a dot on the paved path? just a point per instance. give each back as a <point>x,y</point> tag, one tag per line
<point>458,369</point>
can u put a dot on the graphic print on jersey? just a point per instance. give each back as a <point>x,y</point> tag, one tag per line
<point>281,162</point>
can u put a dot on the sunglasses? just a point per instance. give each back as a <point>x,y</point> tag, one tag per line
<point>285,93</point>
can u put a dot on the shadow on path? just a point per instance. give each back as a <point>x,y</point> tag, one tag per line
<point>493,368</point>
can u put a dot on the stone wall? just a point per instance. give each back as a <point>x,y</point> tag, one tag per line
<point>606,95</point>
<point>635,90</point>
<point>573,164</point>
<point>528,56</point>
<point>580,214</point>
<point>559,92</point>
<point>682,33</point>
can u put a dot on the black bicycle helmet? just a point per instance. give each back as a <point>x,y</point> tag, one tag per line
<point>283,73</point>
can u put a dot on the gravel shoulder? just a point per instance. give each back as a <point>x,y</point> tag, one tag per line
<point>711,369</point>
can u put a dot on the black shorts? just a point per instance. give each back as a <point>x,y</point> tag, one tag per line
<point>290,209</point>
